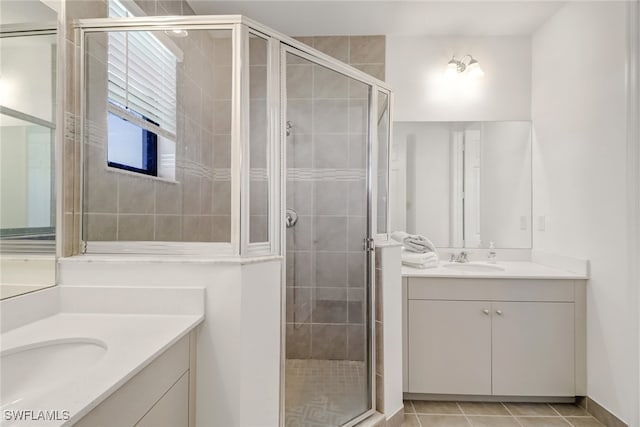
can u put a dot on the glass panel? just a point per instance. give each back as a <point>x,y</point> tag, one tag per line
<point>383,161</point>
<point>479,176</point>
<point>27,151</point>
<point>328,362</point>
<point>157,153</point>
<point>27,77</point>
<point>258,142</point>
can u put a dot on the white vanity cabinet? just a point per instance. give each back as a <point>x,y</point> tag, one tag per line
<point>500,337</point>
<point>160,395</point>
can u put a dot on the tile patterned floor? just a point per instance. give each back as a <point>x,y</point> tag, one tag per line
<point>494,414</point>
<point>324,393</point>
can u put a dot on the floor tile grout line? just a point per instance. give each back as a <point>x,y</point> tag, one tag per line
<point>463,413</point>
<point>554,410</point>
<point>511,413</point>
<point>559,414</point>
<point>416,413</point>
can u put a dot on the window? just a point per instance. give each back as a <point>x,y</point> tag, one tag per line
<point>131,147</point>
<point>142,101</point>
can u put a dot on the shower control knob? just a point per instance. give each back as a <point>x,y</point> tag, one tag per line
<point>291,218</point>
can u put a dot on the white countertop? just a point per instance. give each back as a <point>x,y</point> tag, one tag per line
<point>512,270</point>
<point>134,325</point>
<point>132,341</point>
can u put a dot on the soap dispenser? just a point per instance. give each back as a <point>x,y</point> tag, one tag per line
<point>492,255</point>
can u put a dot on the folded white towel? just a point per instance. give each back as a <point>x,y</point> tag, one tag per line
<point>418,258</point>
<point>427,264</point>
<point>414,242</point>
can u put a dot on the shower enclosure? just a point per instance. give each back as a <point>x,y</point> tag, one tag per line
<point>216,136</point>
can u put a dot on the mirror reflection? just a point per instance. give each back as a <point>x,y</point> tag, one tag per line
<point>27,146</point>
<point>468,183</point>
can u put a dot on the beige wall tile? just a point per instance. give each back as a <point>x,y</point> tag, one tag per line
<point>298,341</point>
<point>168,228</point>
<point>330,116</point>
<point>168,198</point>
<point>329,84</point>
<point>101,227</point>
<point>197,228</point>
<point>191,201</point>
<point>135,227</point>
<point>335,46</point>
<point>135,195</point>
<point>299,81</point>
<point>222,197</point>
<point>366,49</point>
<point>329,342</point>
<point>221,228</point>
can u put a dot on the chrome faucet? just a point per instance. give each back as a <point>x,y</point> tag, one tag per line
<point>461,257</point>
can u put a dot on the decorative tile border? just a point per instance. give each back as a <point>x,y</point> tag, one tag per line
<point>313,174</point>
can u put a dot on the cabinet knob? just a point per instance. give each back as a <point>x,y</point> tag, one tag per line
<point>486,311</point>
<point>499,312</point>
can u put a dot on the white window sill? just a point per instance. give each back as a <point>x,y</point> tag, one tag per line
<point>141,175</point>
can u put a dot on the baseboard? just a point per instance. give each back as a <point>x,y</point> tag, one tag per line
<point>484,398</point>
<point>600,413</point>
<point>396,419</point>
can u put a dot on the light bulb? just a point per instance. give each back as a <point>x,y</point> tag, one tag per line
<point>474,69</point>
<point>452,69</point>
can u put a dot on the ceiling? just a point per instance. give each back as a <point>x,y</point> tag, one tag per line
<point>391,17</point>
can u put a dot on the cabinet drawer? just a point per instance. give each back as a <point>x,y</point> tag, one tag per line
<point>127,405</point>
<point>490,289</point>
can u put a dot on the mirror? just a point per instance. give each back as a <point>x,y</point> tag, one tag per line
<point>27,146</point>
<point>467,183</point>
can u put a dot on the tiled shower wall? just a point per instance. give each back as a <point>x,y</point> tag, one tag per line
<point>326,185</point>
<point>194,207</point>
<point>122,206</point>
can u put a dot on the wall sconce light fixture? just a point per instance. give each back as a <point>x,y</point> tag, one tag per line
<point>457,66</point>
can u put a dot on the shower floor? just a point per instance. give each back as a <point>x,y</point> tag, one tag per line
<point>324,393</point>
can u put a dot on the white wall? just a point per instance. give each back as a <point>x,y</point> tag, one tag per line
<point>238,355</point>
<point>505,184</point>
<point>391,328</point>
<point>415,69</point>
<point>579,117</point>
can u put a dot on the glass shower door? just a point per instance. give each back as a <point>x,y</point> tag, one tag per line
<point>328,357</point>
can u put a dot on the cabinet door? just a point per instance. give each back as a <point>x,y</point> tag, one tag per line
<point>449,346</point>
<point>172,410</point>
<point>533,349</point>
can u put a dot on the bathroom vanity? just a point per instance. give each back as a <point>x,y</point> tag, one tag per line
<point>97,356</point>
<point>511,332</point>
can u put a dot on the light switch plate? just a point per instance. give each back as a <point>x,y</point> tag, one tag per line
<point>523,222</point>
<point>542,222</point>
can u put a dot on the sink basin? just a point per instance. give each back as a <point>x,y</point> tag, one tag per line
<point>473,267</point>
<point>35,367</point>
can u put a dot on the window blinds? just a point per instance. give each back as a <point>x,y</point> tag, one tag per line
<point>141,73</point>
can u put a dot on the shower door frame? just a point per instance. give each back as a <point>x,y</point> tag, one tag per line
<point>239,247</point>
<point>290,46</point>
